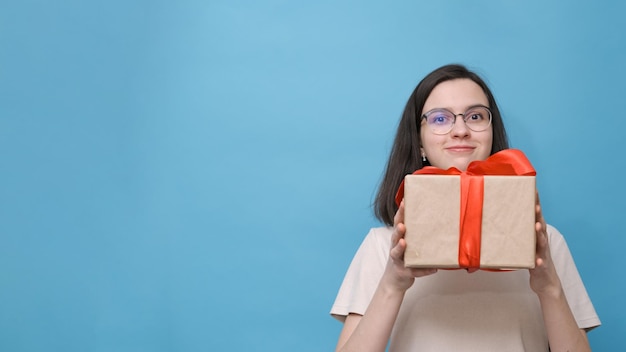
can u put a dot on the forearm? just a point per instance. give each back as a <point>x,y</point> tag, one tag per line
<point>563,331</point>
<point>374,328</point>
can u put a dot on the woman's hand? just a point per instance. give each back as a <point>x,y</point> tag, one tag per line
<point>563,331</point>
<point>544,279</point>
<point>396,275</point>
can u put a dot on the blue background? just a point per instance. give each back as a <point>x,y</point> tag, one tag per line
<point>196,175</point>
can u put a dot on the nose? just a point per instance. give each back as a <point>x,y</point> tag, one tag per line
<point>459,129</point>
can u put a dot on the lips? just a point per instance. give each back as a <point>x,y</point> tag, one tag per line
<point>461,148</point>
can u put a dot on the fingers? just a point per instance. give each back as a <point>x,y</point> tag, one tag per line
<point>537,195</point>
<point>538,210</point>
<point>541,229</point>
<point>398,247</point>
<point>399,228</point>
<point>397,251</point>
<point>542,238</point>
<point>398,232</point>
<point>398,244</point>
<point>540,226</point>
<point>399,217</point>
<point>539,216</point>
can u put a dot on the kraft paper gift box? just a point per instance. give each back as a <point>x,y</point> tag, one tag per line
<point>432,219</point>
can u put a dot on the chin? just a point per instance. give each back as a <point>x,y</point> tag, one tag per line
<point>461,165</point>
<point>462,168</point>
<point>459,162</point>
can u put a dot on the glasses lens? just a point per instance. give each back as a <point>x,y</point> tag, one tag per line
<point>439,121</point>
<point>478,118</point>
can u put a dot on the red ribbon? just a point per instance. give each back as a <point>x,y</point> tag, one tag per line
<point>509,162</point>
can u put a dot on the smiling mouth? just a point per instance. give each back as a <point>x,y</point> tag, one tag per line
<point>460,149</point>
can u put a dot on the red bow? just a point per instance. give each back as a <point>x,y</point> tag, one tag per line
<point>509,162</point>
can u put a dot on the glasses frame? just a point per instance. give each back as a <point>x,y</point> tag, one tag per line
<point>430,112</point>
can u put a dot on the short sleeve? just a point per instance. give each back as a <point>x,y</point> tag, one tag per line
<point>363,275</point>
<point>575,292</point>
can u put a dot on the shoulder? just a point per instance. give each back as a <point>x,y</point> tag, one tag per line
<point>561,254</point>
<point>556,239</point>
<point>364,273</point>
<point>378,238</point>
<point>381,233</point>
<point>553,233</point>
<point>374,250</point>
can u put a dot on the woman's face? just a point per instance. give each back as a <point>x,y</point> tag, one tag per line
<point>461,145</point>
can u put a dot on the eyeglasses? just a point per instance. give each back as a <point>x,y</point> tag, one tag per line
<point>441,121</point>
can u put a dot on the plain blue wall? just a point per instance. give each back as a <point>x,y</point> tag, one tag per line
<point>196,175</point>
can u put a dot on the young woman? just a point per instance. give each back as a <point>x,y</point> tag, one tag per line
<point>450,120</point>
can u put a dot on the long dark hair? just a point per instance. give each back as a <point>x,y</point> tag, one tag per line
<point>405,155</point>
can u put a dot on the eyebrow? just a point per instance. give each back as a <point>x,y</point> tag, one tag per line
<point>450,110</point>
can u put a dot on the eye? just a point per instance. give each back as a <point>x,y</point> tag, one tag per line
<point>439,118</point>
<point>475,116</point>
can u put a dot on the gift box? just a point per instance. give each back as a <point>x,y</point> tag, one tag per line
<point>469,220</point>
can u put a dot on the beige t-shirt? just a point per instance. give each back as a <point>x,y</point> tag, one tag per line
<point>453,310</point>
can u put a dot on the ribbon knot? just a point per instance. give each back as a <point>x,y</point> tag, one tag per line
<point>509,162</point>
